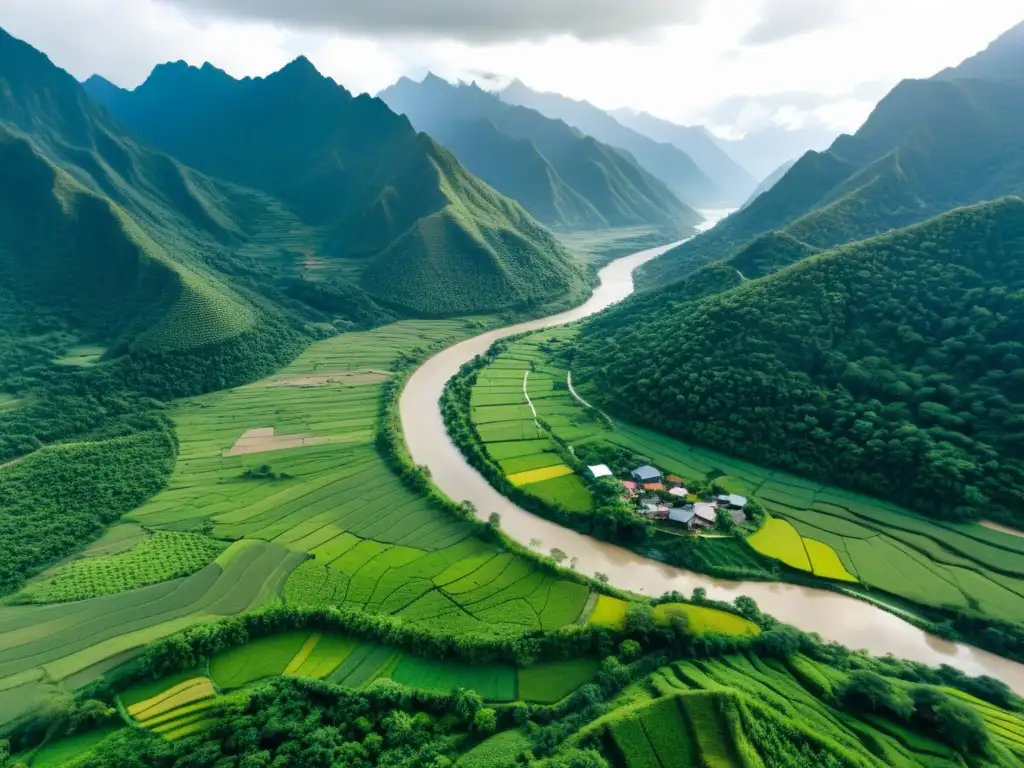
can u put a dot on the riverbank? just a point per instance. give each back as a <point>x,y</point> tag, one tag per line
<point>836,617</point>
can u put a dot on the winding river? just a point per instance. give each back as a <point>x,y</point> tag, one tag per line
<point>854,623</point>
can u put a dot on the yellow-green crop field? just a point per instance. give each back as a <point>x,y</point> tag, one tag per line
<point>611,612</point>
<point>779,540</point>
<point>317,521</point>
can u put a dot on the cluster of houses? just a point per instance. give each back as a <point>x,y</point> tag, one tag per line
<point>646,489</point>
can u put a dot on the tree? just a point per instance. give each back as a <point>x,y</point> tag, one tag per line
<point>639,620</point>
<point>870,692</point>
<point>485,721</point>
<point>536,543</point>
<point>494,520</point>
<point>602,577</point>
<point>629,649</point>
<point>558,555</point>
<point>950,720</point>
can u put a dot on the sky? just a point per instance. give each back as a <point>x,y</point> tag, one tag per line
<point>733,65</point>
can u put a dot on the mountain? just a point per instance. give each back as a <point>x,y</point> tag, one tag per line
<point>762,150</point>
<point>770,181</point>
<point>1001,60</point>
<point>668,163</point>
<point>359,193</point>
<point>891,366</point>
<point>928,147</point>
<point>697,142</point>
<point>567,180</point>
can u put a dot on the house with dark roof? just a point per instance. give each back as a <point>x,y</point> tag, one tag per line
<point>733,500</point>
<point>646,474</point>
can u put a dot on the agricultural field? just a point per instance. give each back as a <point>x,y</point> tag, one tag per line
<point>552,681</point>
<point>744,710</point>
<point>257,659</point>
<point>834,534</point>
<point>68,640</point>
<point>508,393</point>
<point>161,557</point>
<point>179,710</point>
<point>82,355</point>
<point>611,612</point>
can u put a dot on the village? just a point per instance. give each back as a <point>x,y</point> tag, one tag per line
<point>664,498</point>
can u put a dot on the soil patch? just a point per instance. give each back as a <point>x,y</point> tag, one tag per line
<point>347,378</point>
<point>1002,528</point>
<point>263,440</point>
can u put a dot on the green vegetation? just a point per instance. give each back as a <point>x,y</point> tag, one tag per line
<point>551,682</point>
<point>163,556</point>
<point>928,147</point>
<point>264,657</point>
<point>567,180</point>
<point>403,223</point>
<point>494,682</point>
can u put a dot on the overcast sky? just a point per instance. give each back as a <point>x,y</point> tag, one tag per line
<point>734,65</point>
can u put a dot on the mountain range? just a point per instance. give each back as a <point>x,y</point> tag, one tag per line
<point>929,146</point>
<point>673,166</point>
<point>569,181</point>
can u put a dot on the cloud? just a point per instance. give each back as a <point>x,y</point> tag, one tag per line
<point>782,19</point>
<point>477,21</point>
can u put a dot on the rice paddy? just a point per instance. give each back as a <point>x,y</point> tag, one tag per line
<point>552,681</point>
<point>816,529</point>
<point>180,710</point>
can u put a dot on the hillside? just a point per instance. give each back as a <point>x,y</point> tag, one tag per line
<point>673,166</point>
<point>928,147</point>
<point>769,181</point>
<point>891,366</point>
<point>696,141</point>
<point>372,198</point>
<point>999,61</point>
<point>567,180</point>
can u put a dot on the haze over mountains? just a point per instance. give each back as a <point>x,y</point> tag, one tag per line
<point>566,179</point>
<point>929,146</point>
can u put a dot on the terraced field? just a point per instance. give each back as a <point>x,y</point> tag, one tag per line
<point>746,711</point>
<point>319,524</point>
<point>826,531</point>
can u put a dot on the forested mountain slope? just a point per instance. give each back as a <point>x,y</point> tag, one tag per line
<point>999,61</point>
<point>668,163</point>
<point>380,203</point>
<point>928,147</point>
<point>567,180</point>
<point>696,141</point>
<point>769,181</point>
<point>892,366</point>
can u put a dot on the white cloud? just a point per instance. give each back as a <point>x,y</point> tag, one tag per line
<point>830,75</point>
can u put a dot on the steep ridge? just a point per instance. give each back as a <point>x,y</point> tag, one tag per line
<point>567,180</point>
<point>668,163</point>
<point>890,366</point>
<point>769,181</point>
<point>375,196</point>
<point>929,146</point>
<point>696,141</point>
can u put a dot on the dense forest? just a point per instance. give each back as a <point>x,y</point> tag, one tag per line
<point>928,147</point>
<point>892,366</point>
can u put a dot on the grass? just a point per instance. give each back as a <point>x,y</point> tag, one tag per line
<point>165,555</point>
<point>569,491</point>
<point>825,562</point>
<point>62,752</point>
<point>257,659</point>
<point>701,619</point>
<point>551,682</point>
<point>494,682</point>
<point>499,751</point>
<point>82,355</point>
<point>779,540</point>
<point>609,612</point>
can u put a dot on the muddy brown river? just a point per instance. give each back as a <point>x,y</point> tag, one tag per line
<point>854,623</point>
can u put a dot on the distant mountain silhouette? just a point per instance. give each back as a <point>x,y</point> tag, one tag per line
<point>567,180</point>
<point>668,163</point>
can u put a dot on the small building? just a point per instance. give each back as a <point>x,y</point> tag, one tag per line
<point>705,515</point>
<point>674,480</point>
<point>629,485</point>
<point>681,493</point>
<point>646,474</point>
<point>600,470</point>
<point>654,486</point>
<point>681,515</point>
<point>732,500</point>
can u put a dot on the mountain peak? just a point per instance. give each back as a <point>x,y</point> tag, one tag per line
<point>433,80</point>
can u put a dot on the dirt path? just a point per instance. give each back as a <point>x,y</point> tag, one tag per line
<point>574,393</point>
<point>529,402</point>
<point>1002,528</point>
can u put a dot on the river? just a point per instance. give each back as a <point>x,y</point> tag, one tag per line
<point>854,623</point>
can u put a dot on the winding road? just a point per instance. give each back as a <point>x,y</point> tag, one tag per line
<point>852,622</point>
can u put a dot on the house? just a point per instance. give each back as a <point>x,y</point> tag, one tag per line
<point>680,515</point>
<point>654,486</point>
<point>646,474</point>
<point>630,489</point>
<point>732,500</point>
<point>674,480</point>
<point>681,493</point>
<point>600,470</point>
<point>651,506</point>
<point>705,515</point>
